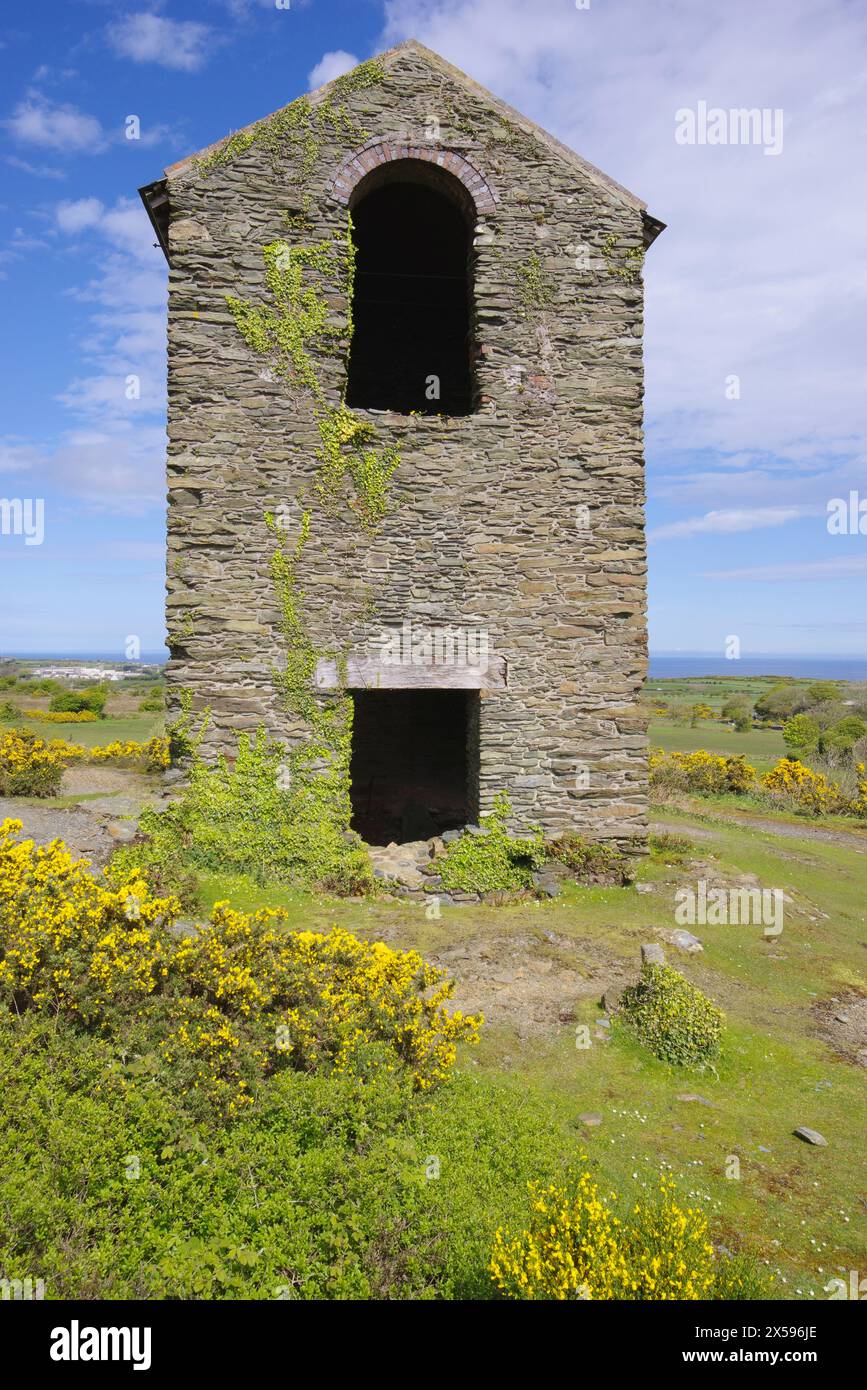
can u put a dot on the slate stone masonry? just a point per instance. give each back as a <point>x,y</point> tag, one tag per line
<point>524,519</point>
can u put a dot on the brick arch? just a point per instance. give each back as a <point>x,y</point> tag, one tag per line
<point>380,151</point>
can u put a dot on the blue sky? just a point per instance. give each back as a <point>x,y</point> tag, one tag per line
<point>761,275</point>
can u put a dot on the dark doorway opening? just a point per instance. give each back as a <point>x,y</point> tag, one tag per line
<point>414,763</point>
<point>411,309</point>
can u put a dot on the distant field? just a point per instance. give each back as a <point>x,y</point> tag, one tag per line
<point>715,690</point>
<point>138,727</point>
<point>761,747</point>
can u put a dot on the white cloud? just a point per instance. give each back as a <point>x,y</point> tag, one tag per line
<point>761,272</point>
<point>39,171</point>
<point>183,44</point>
<point>843,567</point>
<point>729,522</point>
<point>118,470</point>
<point>331,65</point>
<point>75,215</point>
<point>112,454</point>
<point>38,121</point>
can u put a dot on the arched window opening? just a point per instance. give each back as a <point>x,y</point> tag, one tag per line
<point>412,303</point>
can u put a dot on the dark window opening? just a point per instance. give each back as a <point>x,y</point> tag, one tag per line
<point>411,343</point>
<point>414,763</point>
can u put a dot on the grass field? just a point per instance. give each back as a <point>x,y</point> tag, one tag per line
<point>802,1209</point>
<point>717,690</point>
<point>761,747</point>
<point>139,727</point>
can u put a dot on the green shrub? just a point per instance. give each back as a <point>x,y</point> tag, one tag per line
<point>91,699</point>
<point>739,713</point>
<point>237,818</point>
<point>673,849</point>
<point>780,702</point>
<point>159,853</point>
<point>837,743</point>
<point>9,713</point>
<point>334,1187</point>
<point>588,862</point>
<point>493,861</point>
<point>800,732</point>
<point>672,1017</point>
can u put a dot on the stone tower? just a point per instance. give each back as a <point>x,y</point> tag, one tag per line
<point>405,467</point>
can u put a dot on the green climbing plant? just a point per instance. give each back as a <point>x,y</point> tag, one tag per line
<point>295,132</point>
<point>625,264</point>
<point>292,330</point>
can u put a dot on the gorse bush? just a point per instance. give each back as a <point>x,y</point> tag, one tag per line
<point>494,860</point>
<point>236,1001</point>
<point>82,716</point>
<point>28,765</point>
<point>797,787</point>
<point>672,1017</point>
<point>701,772</point>
<point>577,1247</point>
<point>790,784</point>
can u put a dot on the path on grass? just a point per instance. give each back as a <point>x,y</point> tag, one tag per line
<point>851,839</point>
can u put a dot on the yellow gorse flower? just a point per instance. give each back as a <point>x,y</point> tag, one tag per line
<point>238,998</point>
<point>577,1248</point>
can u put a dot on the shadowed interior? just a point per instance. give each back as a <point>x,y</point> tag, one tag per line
<point>414,771</point>
<point>411,301</point>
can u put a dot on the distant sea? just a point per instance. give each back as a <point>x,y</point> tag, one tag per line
<point>670,665</point>
<point>663,665</point>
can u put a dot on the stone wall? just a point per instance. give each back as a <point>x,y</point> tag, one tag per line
<point>524,519</point>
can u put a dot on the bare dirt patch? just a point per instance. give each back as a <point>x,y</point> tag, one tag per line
<point>528,981</point>
<point>85,834</point>
<point>114,796</point>
<point>841,1022</point>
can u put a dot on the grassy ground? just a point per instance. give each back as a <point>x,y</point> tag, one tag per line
<point>801,1208</point>
<point>761,747</point>
<point>538,970</point>
<point>139,727</point>
<point>110,730</point>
